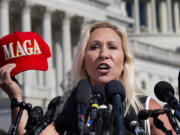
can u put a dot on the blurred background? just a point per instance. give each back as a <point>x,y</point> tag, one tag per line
<point>152,28</point>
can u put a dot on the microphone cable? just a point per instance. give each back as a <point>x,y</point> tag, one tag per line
<point>145,114</point>
<point>97,99</point>
<point>172,120</point>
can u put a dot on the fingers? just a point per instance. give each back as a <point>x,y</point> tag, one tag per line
<point>5,73</point>
<point>7,84</point>
<point>6,69</point>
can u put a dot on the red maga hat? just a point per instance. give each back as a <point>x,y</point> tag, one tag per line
<point>26,49</point>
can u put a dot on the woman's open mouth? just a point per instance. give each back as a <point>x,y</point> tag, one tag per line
<point>103,68</point>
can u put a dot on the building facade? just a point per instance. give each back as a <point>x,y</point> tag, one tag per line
<point>152,27</point>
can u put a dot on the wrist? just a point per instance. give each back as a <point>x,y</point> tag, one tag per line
<point>18,97</point>
<point>13,91</point>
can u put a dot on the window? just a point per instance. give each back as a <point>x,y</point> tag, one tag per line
<point>143,85</point>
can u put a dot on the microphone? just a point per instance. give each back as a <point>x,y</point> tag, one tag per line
<point>48,117</point>
<point>133,125</point>
<point>165,92</point>
<point>136,129</point>
<point>34,116</point>
<point>172,120</point>
<point>179,85</point>
<point>145,114</point>
<point>98,99</point>
<point>115,93</point>
<point>82,100</point>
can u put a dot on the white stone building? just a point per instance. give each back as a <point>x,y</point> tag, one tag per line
<point>152,27</point>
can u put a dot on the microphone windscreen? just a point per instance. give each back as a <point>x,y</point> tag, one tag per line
<point>37,111</point>
<point>34,117</point>
<point>115,87</point>
<point>99,89</point>
<point>161,88</point>
<point>143,114</point>
<point>131,121</point>
<point>128,120</point>
<point>54,102</point>
<point>82,93</point>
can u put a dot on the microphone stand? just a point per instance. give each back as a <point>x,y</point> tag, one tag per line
<point>159,124</point>
<point>22,105</point>
<point>179,85</point>
<point>172,120</point>
<point>118,116</point>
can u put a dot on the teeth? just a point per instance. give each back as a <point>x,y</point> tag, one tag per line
<point>103,66</point>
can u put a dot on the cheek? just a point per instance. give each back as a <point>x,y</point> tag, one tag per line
<point>88,59</point>
<point>119,62</point>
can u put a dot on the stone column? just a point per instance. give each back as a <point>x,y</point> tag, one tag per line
<point>123,8</point>
<point>154,20</point>
<point>26,17</point>
<point>149,16</point>
<point>169,13</point>
<point>177,16</point>
<point>47,33</point>
<point>163,17</point>
<point>26,27</point>
<point>67,50</point>
<point>136,16</point>
<point>59,68</point>
<point>4,17</point>
<point>47,36</point>
<point>85,24</point>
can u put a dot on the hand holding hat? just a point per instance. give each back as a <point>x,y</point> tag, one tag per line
<point>8,84</point>
<point>26,49</point>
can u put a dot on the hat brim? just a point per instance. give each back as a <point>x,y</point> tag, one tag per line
<point>30,65</point>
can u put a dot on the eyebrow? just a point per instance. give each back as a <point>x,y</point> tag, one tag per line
<point>94,41</point>
<point>114,42</point>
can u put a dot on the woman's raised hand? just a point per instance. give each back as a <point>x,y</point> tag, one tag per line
<point>7,84</point>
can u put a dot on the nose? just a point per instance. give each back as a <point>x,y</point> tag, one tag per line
<point>103,54</point>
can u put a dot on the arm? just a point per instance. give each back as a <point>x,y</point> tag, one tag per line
<point>154,131</point>
<point>12,89</point>
<point>50,129</point>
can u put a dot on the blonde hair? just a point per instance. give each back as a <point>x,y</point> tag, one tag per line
<point>127,76</point>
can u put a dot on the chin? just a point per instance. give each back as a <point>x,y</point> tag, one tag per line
<point>103,81</point>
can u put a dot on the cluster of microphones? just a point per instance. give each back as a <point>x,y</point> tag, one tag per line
<point>90,102</point>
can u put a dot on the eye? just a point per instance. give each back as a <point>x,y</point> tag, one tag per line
<point>112,47</point>
<point>94,47</point>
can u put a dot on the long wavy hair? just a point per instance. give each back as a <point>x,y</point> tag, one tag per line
<point>127,76</point>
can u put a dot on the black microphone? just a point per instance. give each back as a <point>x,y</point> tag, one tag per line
<point>145,114</point>
<point>172,120</point>
<point>165,92</point>
<point>34,116</point>
<point>132,124</point>
<point>48,117</point>
<point>82,100</point>
<point>136,128</point>
<point>179,85</point>
<point>115,93</point>
<point>98,99</point>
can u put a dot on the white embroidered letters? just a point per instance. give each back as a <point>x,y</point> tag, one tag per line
<point>17,50</point>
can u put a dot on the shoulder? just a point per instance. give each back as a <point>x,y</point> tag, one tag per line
<point>148,102</point>
<point>66,116</point>
<point>62,101</point>
<point>153,104</point>
<point>50,129</point>
<point>144,100</point>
